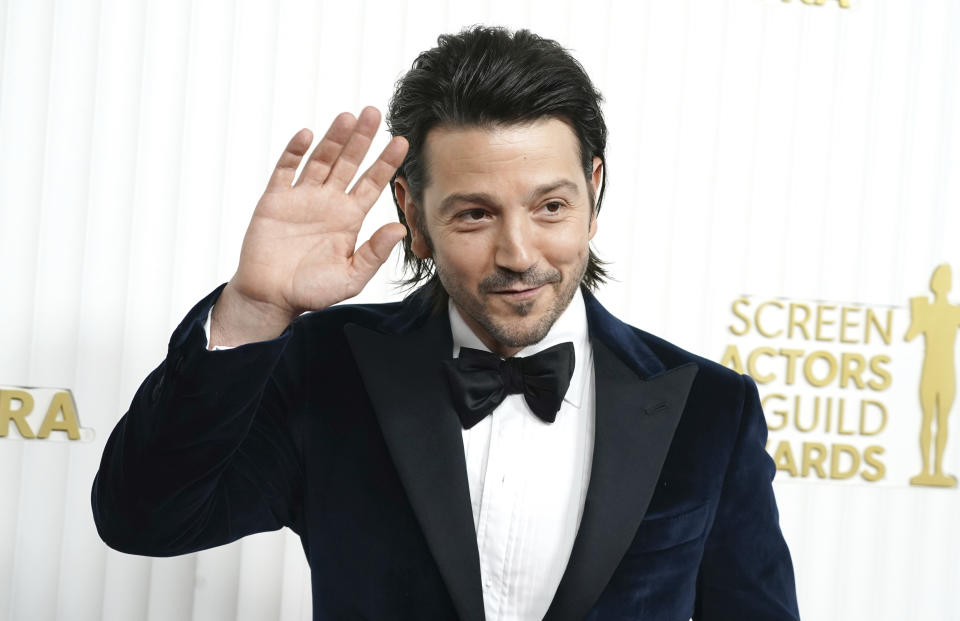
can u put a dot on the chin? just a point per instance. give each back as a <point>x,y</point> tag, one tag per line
<point>522,333</point>
<point>523,309</point>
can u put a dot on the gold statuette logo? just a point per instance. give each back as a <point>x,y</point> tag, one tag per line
<point>937,320</point>
<point>844,4</point>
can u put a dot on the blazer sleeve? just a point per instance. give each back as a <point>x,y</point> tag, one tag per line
<point>201,458</point>
<point>746,571</point>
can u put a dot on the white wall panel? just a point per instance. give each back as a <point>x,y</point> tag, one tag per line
<point>764,147</point>
<point>46,475</point>
<point>23,126</point>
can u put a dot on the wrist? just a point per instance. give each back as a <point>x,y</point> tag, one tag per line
<point>238,319</point>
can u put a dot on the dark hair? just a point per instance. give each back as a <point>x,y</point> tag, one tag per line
<point>487,76</point>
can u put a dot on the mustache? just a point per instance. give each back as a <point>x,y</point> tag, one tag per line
<point>530,279</point>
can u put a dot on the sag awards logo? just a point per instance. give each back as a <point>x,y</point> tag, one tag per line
<point>847,391</point>
<point>844,4</point>
<point>40,414</point>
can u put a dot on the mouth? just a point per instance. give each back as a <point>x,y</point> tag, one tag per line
<point>518,294</point>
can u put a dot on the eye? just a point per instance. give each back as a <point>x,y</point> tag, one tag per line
<point>474,215</point>
<point>554,206</point>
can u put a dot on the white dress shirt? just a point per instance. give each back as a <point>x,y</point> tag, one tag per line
<point>528,479</point>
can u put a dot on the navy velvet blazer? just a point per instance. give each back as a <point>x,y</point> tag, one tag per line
<point>342,429</point>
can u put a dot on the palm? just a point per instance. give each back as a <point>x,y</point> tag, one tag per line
<point>298,253</point>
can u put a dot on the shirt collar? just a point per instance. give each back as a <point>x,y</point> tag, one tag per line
<point>571,326</point>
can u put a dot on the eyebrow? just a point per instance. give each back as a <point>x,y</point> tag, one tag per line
<point>484,198</point>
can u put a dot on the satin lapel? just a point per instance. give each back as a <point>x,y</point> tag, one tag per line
<point>635,423</point>
<point>403,378</point>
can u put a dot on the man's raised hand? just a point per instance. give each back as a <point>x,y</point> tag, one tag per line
<point>298,253</point>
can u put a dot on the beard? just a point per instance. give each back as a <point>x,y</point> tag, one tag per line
<point>512,330</point>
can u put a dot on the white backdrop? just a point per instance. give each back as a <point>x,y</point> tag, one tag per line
<point>766,147</point>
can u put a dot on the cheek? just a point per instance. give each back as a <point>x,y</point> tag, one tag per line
<point>463,258</point>
<point>568,248</point>
<point>472,251</point>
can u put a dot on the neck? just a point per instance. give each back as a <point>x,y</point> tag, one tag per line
<point>502,350</point>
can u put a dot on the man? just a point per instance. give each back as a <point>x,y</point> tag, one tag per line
<point>582,469</point>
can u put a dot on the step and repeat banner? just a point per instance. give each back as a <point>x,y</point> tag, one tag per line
<point>783,197</point>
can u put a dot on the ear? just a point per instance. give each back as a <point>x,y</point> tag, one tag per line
<point>410,212</point>
<point>596,178</point>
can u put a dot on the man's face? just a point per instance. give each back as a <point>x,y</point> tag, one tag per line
<point>507,219</point>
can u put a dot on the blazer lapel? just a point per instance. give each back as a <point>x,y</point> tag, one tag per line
<point>638,407</point>
<point>635,422</point>
<point>403,377</point>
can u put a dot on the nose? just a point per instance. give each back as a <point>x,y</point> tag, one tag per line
<point>516,245</point>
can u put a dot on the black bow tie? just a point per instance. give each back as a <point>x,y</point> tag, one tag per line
<point>480,381</point>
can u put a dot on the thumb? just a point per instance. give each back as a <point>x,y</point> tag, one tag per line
<point>368,258</point>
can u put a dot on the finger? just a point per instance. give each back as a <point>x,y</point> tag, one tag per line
<point>368,258</point>
<point>286,168</point>
<point>371,184</point>
<point>346,165</point>
<point>328,149</point>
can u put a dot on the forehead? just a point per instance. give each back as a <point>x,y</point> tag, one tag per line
<point>461,158</point>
